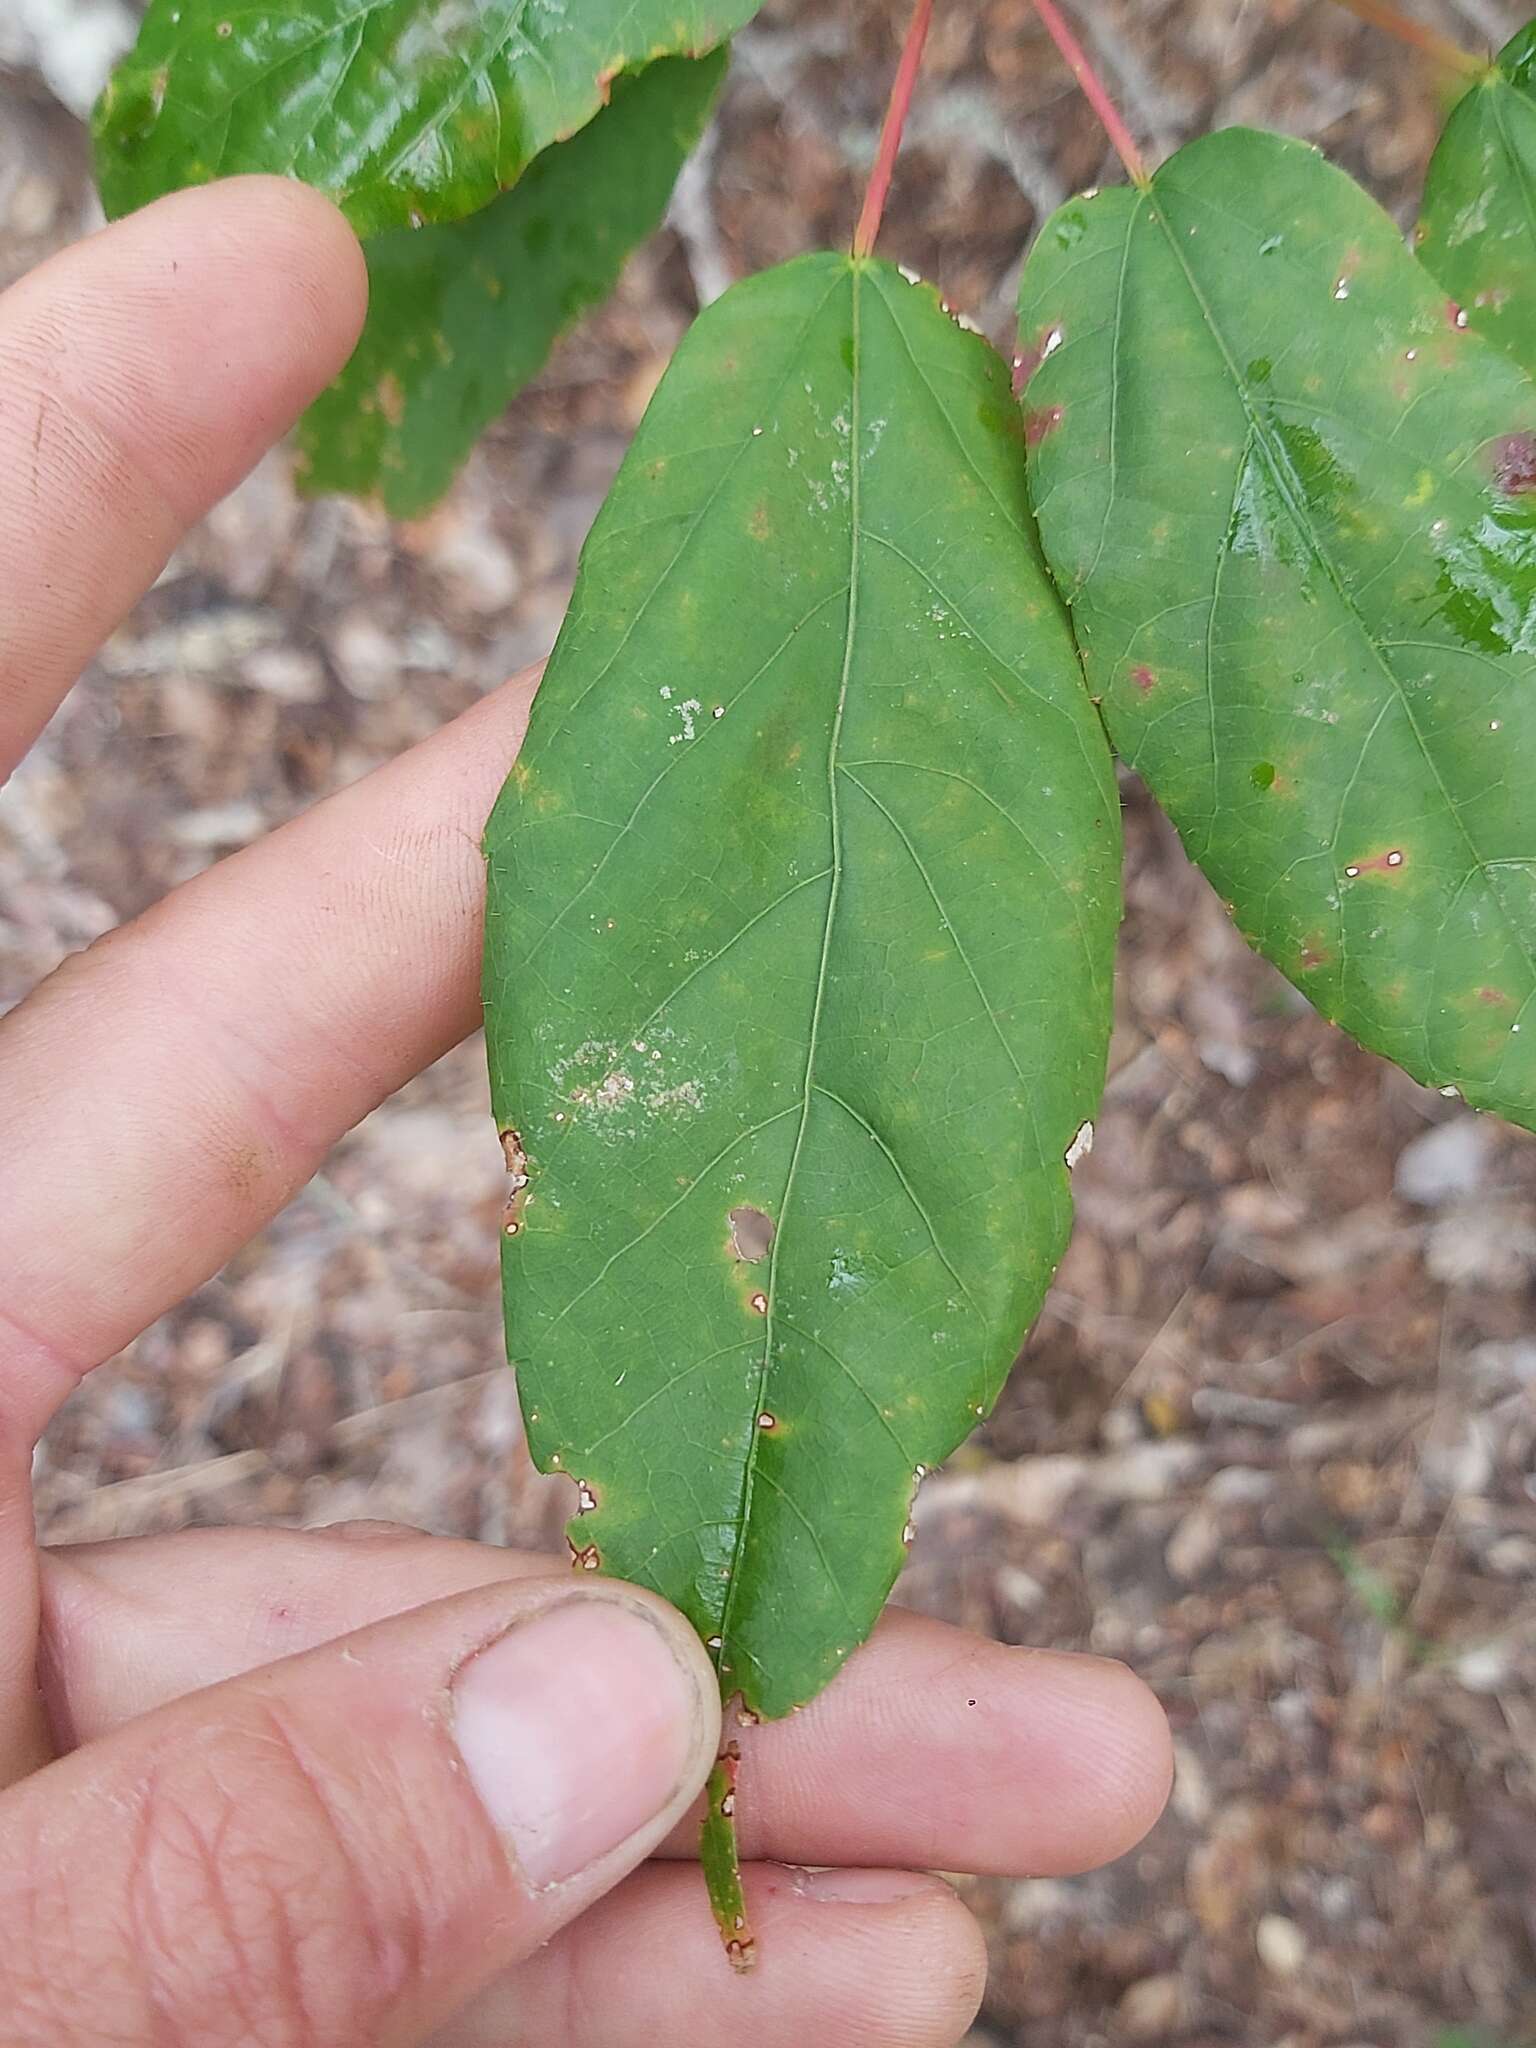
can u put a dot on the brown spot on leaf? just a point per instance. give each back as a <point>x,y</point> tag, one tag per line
<point>1314,953</point>
<point>391,397</point>
<point>1514,463</point>
<point>1143,678</point>
<point>1455,316</point>
<point>1040,421</point>
<point>757,525</point>
<point>586,1559</point>
<point>1495,998</point>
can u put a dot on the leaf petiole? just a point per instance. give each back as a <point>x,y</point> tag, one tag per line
<point>868,229</point>
<point>1417,35</point>
<point>722,1864</point>
<point>1093,90</point>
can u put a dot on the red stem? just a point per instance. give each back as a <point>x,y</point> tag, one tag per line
<point>1093,91</point>
<point>890,134</point>
<point>1419,37</point>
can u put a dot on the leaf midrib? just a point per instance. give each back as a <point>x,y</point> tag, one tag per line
<point>834,891</point>
<point>1280,474</point>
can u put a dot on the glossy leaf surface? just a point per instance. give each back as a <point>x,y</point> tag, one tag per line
<point>802,907</point>
<point>1293,505</point>
<point>1477,233</point>
<point>404,111</point>
<point>461,316</point>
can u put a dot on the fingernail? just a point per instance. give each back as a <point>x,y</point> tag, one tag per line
<point>862,1887</point>
<point>576,1728</point>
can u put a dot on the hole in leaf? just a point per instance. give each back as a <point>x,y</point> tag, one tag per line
<point>517,1182</point>
<point>751,1234</point>
<point>1514,463</point>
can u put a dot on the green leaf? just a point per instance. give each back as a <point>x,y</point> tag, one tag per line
<point>1477,233</point>
<point>461,316</point>
<point>1291,503</point>
<point>800,927</point>
<point>404,111</point>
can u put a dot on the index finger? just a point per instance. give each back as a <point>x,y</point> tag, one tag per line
<point>142,373</point>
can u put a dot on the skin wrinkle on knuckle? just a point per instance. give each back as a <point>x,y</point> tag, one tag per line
<point>48,1925</point>
<point>252,1914</point>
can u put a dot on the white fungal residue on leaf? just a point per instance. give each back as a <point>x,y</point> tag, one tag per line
<point>1081,1145</point>
<point>687,711</point>
<point>619,1093</point>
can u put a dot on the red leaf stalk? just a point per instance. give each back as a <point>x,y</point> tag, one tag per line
<point>890,134</point>
<point>1092,88</point>
<point>1417,35</point>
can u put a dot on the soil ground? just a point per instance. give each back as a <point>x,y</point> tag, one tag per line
<point>1272,1440</point>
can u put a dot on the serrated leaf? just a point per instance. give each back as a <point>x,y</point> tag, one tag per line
<point>1477,232</point>
<point>460,317</point>
<point>1290,501</point>
<point>404,111</point>
<point>802,904</point>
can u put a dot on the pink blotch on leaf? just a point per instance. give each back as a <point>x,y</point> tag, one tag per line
<point>1026,363</point>
<point>1495,998</point>
<point>1144,679</point>
<point>1389,863</point>
<point>1039,422</point>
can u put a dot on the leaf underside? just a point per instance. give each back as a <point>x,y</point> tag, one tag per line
<point>1290,500</point>
<point>802,901</point>
<point>1477,231</point>
<point>402,110</point>
<point>461,316</point>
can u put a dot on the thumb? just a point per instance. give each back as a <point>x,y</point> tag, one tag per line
<point>346,1846</point>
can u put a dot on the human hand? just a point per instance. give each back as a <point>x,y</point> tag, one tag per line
<point>342,1788</point>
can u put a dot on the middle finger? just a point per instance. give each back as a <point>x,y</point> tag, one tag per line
<point>931,1748</point>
